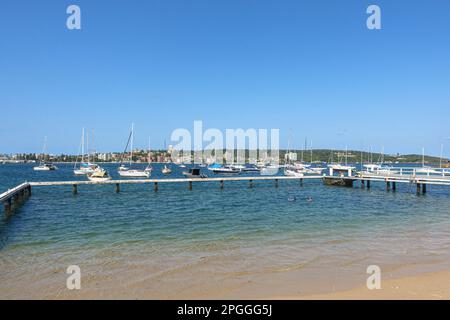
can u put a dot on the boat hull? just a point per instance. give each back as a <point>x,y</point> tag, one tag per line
<point>340,182</point>
<point>134,174</point>
<point>98,179</point>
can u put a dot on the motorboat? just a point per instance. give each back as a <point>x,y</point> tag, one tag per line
<point>251,169</point>
<point>166,170</point>
<point>45,167</point>
<point>99,175</point>
<point>85,168</point>
<point>134,173</point>
<point>219,169</point>
<point>194,173</point>
<point>293,173</point>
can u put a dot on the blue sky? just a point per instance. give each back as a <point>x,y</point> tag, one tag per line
<point>309,66</point>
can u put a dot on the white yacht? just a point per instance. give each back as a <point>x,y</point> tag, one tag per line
<point>84,167</point>
<point>45,166</point>
<point>128,172</point>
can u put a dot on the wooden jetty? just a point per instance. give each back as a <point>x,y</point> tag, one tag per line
<point>13,197</point>
<point>393,176</point>
<point>16,195</point>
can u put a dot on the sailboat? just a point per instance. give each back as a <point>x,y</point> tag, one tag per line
<point>291,169</point>
<point>378,168</point>
<point>149,167</point>
<point>44,166</point>
<point>425,169</point>
<point>127,172</point>
<point>84,167</point>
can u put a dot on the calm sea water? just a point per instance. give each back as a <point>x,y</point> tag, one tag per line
<point>208,242</point>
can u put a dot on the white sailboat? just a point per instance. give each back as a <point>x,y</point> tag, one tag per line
<point>128,172</point>
<point>84,167</point>
<point>44,166</point>
<point>149,167</point>
<point>292,169</point>
<point>425,169</point>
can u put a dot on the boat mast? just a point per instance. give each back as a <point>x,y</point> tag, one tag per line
<point>82,146</point>
<point>442,155</point>
<point>149,151</point>
<point>87,145</point>
<point>346,155</point>
<point>131,143</point>
<point>43,150</point>
<point>423,157</point>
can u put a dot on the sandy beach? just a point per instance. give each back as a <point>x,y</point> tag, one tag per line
<point>428,286</point>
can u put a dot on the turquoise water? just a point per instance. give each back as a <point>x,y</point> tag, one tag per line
<point>213,242</point>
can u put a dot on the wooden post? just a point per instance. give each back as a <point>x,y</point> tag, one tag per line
<point>117,187</point>
<point>29,190</point>
<point>301,182</point>
<point>388,185</point>
<point>368,184</point>
<point>155,187</point>
<point>424,188</point>
<point>190,185</point>
<point>394,186</point>
<point>221,184</point>
<point>363,184</point>
<point>418,188</point>
<point>8,205</point>
<point>250,184</point>
<point>74,189</point>
<point>276,183</point>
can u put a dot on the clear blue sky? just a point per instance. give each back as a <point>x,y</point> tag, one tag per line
<point>312,66</point>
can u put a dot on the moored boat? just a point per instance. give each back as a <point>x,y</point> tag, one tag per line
<point>99,175</point>
<point>194,173</point>
<point>127,171</point>
<point>166,170</point>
